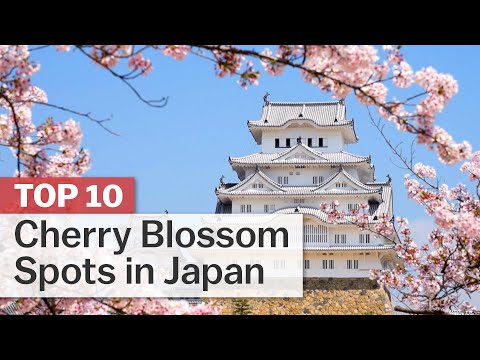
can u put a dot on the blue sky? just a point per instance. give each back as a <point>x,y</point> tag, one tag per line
<point>178,153</point>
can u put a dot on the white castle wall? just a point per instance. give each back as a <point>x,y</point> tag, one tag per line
<point>300,177</point>
<point>334,138</point>
<point>366,261</point>
<point>257,204</point>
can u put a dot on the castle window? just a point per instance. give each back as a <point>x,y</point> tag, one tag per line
<point>317,142</point>
<point>352,264</point>
<point>341,185</point>
<point>340,238</point>
<point>283,143</point>
<point>317,180</point>
<point>307,264</point>
<point>299,201</point>
<point>297,173</point>
<point>328,264</point>
<point>353,207</point>
<point>285,180</point>
<point>280,180</point>
<point>260,186</point>
<point>246,208</point>
<point>364,238</point>
<point>267,208</point>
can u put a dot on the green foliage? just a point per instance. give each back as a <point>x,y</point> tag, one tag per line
<point>241,307</point>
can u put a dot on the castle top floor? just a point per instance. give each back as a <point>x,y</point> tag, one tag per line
<point>320,125</point>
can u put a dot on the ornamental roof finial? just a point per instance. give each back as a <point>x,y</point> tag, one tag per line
<point>299,140</point>
<point>265,99</point>
<point>222,180</point>
<point>341,101</point>
<point>389,179</point>
<point>257,169</point>
<point>297,209</point>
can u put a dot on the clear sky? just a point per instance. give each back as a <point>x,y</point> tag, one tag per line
<point>178,153</point>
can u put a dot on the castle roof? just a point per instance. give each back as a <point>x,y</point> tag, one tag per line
<point>288,157</point>
<point>321,113</point>
<point>272,188</point>
<point>317,114</point>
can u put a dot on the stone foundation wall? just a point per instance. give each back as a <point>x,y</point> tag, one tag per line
<point>323,296</point>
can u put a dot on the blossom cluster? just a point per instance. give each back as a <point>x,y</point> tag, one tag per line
<point>45,148</point>
<point>88,306</point>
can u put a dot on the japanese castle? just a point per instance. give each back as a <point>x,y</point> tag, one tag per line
<point>302,164</point>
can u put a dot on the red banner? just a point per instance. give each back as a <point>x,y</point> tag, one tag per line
<point>87,195</point>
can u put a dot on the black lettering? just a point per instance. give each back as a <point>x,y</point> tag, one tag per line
<point>178,237</point>
<point>108,274</point>
<point>122,242</point>
<point>66,237</point>
<point>42,277</point>
<point>45,231</point>
<point>146,233</point>
<point>88,266</point>
<point>18,237</point>
<point>249,270</point>
<point>202,236</point>
<point>20,267</point>
<point>138,271</point>
<point>237,273</point>
<point>225,237</point>
<point>174,278</point>
<point>169,233</point>
<point>86,236</point>
<point>101,236</point>
<point>195,273</point>
<point>78,274</point>
<point>206,278</point>
<point>273,236</point>
<point>239,237</point>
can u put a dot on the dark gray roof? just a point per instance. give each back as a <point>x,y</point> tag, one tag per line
<point>223,208</point>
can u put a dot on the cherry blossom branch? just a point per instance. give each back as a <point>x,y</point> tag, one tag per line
<point>158,103</point>
<point>17,128</point>
<point>366,90</point>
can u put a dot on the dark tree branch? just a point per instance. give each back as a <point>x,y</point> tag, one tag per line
<point>87,115</point>
<point>159,103</point>
<point>17,128</point>
<point>407,162</point>
<point>419,312</point>
<point>50,307</point>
